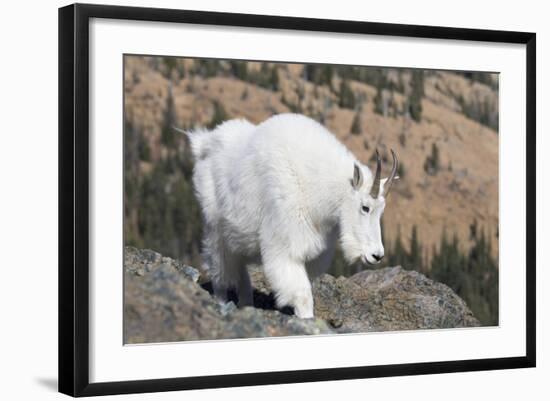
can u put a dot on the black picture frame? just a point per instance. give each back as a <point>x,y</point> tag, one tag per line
<point>74,198</point>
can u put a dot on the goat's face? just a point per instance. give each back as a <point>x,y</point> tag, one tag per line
<point>362,209</point>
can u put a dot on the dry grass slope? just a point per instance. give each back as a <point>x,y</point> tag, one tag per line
<point>464,189</point>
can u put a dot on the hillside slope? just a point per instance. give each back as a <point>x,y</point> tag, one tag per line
<point>461,189</point>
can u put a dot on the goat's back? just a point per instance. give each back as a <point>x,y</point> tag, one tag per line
<point>246,175</point>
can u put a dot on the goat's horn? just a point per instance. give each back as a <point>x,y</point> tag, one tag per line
<point>392,175</point>
<point>375,189</point>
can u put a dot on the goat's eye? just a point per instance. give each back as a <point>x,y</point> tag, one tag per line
<point>365,209</point>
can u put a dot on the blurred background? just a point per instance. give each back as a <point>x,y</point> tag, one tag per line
<point>441,218</point>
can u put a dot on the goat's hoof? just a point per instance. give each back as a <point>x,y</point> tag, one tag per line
<point>303,314</point>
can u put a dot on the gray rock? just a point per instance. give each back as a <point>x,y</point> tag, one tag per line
<point>163,302</point>
<point>166,300</point>
<point>389,299</point>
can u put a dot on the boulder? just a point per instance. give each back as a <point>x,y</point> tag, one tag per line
<point>166,300</point>
<point>388,299</point>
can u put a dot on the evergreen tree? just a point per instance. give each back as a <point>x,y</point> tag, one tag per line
<point>432,162</point>
<point>401,170</point>
<point>293,107</point>
<point>170,63</point>
<point>473,276</point>
<point>416,95</point>
<point>356,127</point>
<point>167,134</point>
<point>143,148</point>
<point>347,98</point>
<point>319,74</point>
<point>415,251</point>
<point>327,74</point>
<point>167,212</point>
<point>379,101</point>
<point>218,116</point>
<point>274,81</point>
<point>207,68</point>
<point>473,230</point>
<point>403,139</point>
<point>239,69</point>
<point>480,110</point>
<point>266,77</point>
<point>131,184</point>
<point>398,255</point>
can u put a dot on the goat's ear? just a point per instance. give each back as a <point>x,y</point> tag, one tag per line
<point>384,181</point>
<point>357,180</point>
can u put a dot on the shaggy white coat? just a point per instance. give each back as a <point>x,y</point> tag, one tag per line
<point>281,194</point>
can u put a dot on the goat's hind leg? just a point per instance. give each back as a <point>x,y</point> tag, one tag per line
<point>224,281</point>
<point>215,259</point>
<point>244,287</point>
<point>227,271</point>
<point>236,277</point>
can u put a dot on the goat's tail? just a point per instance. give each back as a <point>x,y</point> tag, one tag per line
<point>198,140</point>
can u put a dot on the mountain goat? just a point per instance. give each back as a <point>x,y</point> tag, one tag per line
<point>282,193</point>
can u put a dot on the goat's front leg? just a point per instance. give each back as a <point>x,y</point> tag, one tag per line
<point>291,285</point>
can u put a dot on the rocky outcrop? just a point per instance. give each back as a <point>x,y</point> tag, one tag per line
<point>389,299</point>
<point>166,300</point>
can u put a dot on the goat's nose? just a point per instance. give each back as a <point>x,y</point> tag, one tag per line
<point>378,256</point>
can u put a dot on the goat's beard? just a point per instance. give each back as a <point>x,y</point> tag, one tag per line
<point>351,248</point>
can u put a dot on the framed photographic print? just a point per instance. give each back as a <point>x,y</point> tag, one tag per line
<point>251,199</point>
